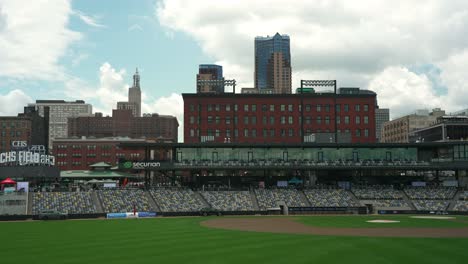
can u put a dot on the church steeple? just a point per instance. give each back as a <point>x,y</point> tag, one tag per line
<point>136,79</point>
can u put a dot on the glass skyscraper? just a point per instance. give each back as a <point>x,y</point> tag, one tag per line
<point>210,72</point>
<point>273,63</point>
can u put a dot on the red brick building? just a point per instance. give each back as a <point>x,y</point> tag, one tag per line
<point>27,127</point>
<point>78,154</point>
<point>348,116</point>
<point>123,123</point>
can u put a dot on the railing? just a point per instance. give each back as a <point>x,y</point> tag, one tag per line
<point>307,163</point>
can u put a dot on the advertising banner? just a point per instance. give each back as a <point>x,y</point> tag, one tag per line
<point>144,165</point>
<point>418,184</point>
<point>282,183</point>
<point>22,186</point>
<point>117,215</point>
<point>146,214</point>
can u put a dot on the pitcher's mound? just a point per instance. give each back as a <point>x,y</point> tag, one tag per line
<point>383,221</point>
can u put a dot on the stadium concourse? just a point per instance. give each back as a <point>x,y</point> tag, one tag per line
<point>185,201</point>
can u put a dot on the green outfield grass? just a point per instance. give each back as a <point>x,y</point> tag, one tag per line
<point>183,240</point>
<point>360,221</point>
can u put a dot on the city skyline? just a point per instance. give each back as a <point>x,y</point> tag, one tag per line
<point>92,52</point>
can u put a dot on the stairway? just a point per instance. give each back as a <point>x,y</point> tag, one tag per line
<point>97,202</point>
<point>456,197</point>
<point>253,197</point>
<point>304,198</point>
<point>30,203</point>
<point>408,201</point>
<point>354,198</point>
<point>201,198</point>
<point>152,202</point>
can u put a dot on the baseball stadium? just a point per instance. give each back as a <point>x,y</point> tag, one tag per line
<point>252,203</point>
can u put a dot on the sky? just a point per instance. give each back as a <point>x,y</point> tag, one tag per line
<point>414,54</point>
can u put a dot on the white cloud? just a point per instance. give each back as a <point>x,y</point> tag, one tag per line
<point>135,27</point>
<point>79,58</point>
<point>454,75</point>
<point>171,105</point>
<point>403,91</point>
<point>32,40</point>
<point>88,20</point>
<point>13,102</point>
<point>363,43</point>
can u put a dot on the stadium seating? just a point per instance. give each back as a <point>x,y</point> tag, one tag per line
<point>120,201</point>
<point>269,198</point>
<point>177,200</point>
<point>461,206</point>
<point>329,198</point>
<point>67,202</point>
<point>377,192</point>
<point>431,205</point>
<point>388,204</point>
<point>229,200</point>
<point>430,193</point>
<point>463,195</point>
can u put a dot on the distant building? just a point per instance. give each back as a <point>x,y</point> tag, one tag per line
<point>463,112</point>
<point>59,112</point>
<point>24,130</point>
<point>382,115</point>
<point>273,63</point>
<point>401,130</point>
<point>280,118</point>
<point>445,128</point>
<point>80,153</point>
<point>124,124</point>
<point>210,72</point>
<point>134,97</point>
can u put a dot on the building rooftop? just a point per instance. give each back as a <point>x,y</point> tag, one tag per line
<point>59,102</point>
<point>268,37</point>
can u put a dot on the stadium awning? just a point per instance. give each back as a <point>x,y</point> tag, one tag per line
<point>7,181</point>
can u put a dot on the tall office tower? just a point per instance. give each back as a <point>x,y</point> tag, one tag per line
<point>134,93</point>
<point>59,112</point>
<point>382,115</point>
<point>273,64</point>
<point>210,72</point>
<point>134,97</point>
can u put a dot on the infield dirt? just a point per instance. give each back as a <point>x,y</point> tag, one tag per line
<point>289,226</point>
